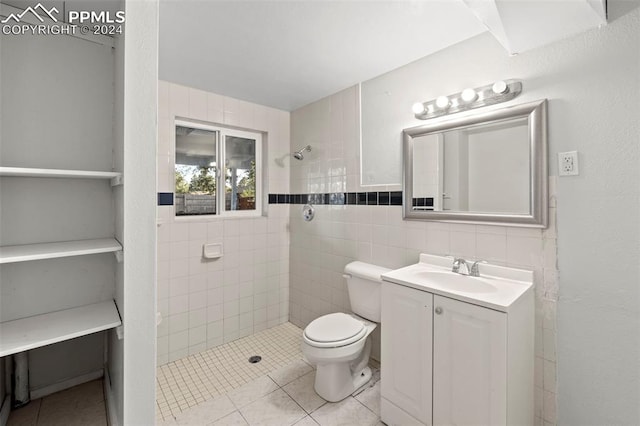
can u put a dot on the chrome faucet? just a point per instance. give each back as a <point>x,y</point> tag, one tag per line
<point>457,263</point>
<point>475,270</point>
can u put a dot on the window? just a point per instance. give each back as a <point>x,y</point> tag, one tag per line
<point>217,171</point>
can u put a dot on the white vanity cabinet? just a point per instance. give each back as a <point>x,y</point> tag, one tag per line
<point>451,362</point>
<point>406,354</point>
<point>469,364</point>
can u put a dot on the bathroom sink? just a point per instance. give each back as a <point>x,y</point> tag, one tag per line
<point>497,287</point>
<point>457,282</point>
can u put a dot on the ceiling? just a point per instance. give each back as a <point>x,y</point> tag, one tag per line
<point>286,54</point>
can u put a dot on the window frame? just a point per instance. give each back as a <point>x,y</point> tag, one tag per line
<point>221,168</point>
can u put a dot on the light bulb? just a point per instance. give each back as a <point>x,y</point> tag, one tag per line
<point>500,87</point>
<point>418,108</point>
<point>442,102</point>
<point>469,95</point>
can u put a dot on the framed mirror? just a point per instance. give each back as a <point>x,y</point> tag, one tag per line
<point>488,168</point>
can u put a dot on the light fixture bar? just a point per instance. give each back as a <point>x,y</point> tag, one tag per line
<point>500,91</point>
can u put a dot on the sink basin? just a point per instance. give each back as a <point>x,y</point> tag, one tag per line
<point>457,282</point>
<point>498,287</point>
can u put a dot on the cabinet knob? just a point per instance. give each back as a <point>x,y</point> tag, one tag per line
<point>438,310</point>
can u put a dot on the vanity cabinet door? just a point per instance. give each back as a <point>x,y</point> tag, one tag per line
<point>406,354</point>
<point>469,364</point>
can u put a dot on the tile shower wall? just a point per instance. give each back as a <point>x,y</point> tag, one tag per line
<point>204,303</point>
<point>377,234</point>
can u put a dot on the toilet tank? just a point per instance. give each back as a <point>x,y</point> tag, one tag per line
<point>363,283</point>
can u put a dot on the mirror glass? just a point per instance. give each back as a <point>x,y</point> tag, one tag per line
<point>487,167</point>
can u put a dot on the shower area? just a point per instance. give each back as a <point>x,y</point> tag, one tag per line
<point>223,265</point>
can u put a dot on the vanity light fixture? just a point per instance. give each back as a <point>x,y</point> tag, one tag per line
<point>443,102</point>
<point>418,108</point>
<point>500,91</point>
<point>468,95</point>
<point>499,87</point>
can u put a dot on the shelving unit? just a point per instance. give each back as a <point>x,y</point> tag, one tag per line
<point>23,334</point>
<point>28,252</point>
<point>64,108</point>
<point>115,177</point>
<point>41,330</point>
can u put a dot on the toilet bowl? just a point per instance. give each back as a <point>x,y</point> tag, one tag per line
<point>339,344</point>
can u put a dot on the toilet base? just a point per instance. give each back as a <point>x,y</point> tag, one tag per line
<point>343,370</point>
<point>334,382</point>
<point>362,380</point>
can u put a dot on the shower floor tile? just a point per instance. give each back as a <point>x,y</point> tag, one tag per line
<point>190,381</point>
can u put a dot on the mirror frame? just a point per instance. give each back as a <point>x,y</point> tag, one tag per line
<point>536,112</point>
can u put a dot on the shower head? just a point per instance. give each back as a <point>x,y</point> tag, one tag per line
<point>298,155</point>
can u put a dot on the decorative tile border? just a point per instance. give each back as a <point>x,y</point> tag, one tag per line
<point>384,198</point>
<point>423,202</point>
<point>165,198</point>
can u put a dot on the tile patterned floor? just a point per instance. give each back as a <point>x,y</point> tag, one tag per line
<point>220,387</point>
<point>197,379</point>
<point>284,397</point>
<point>81,405</point>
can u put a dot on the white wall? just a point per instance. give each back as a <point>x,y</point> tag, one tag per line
<point>592,83</point>
<point>140,138</point>
<point>205,303</point>
<point>597,81</point>
<point>114,389</point>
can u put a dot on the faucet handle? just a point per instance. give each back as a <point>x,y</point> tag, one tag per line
<point>457,262</point>
<point>475,269</point>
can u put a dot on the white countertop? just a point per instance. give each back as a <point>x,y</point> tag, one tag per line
<point>497,287</point>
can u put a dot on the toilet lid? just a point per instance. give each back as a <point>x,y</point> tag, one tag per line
<point>334,328</point>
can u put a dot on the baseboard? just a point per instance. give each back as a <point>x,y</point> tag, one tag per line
<point>5,410</point>
<point>112,418</point>
<point>57,387</point>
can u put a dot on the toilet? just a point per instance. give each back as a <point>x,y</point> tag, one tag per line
<point>339,344</point>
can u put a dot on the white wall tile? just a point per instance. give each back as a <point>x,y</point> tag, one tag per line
<point>179,322</point>
<point>215,108</point>
<point>197,104</point>
<point>238,113</point>
<point>178,341</point>
<point>178,286</point>
<point>178,101</point>
<point>215,313</point>
<point>200,296</point>
<point>163,100</point>
<point>178,304</point>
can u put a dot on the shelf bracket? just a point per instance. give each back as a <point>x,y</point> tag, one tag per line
<point>117,180</point>
<point>120,332</point>
<point>119,255</point>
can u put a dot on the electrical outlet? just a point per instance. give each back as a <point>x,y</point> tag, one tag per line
<point>568,163</point>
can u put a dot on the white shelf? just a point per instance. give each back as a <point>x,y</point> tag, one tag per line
<point>41,330</point>
<point>57,173</point>
<point>28,252</point>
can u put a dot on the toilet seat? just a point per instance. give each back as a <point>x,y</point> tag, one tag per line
<point>334,330</point>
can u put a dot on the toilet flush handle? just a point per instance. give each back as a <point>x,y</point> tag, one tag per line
<point>347,276</point>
